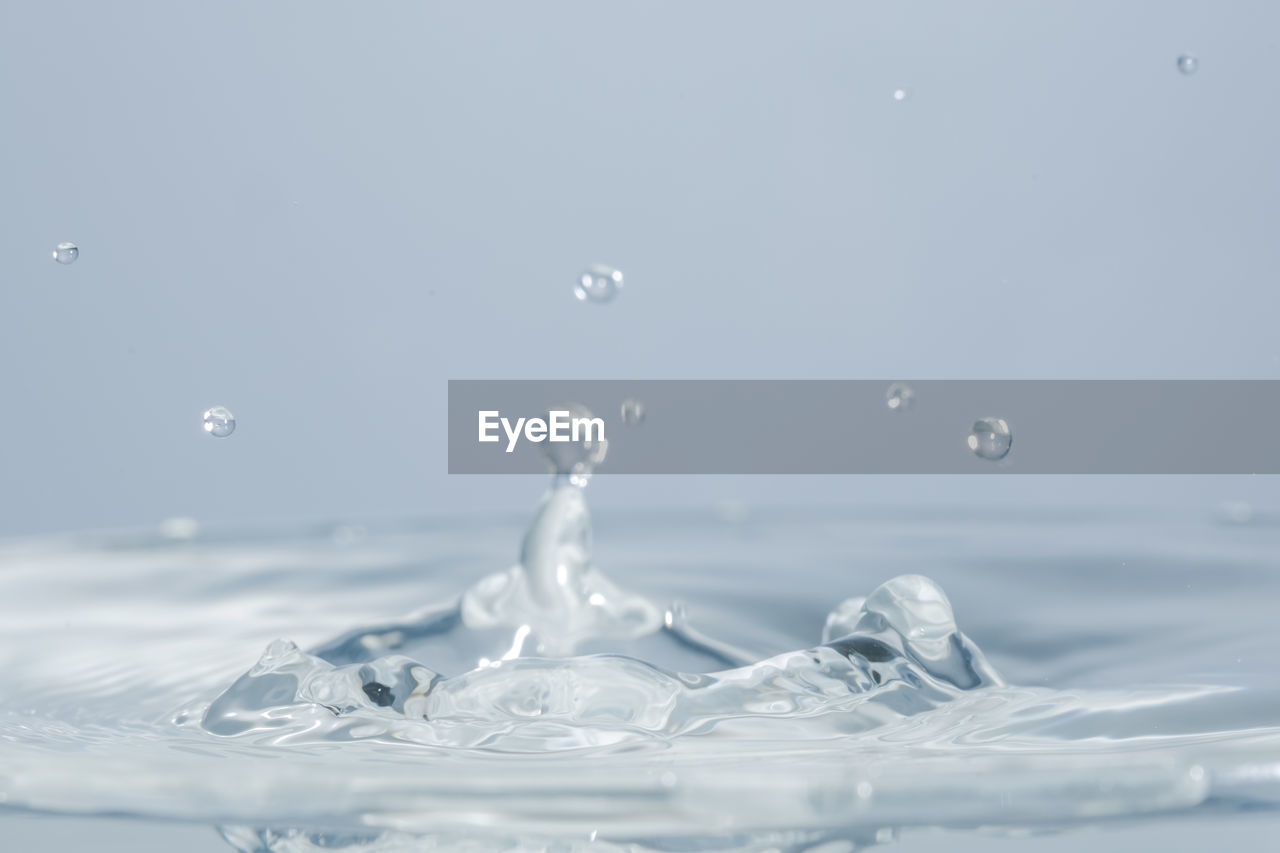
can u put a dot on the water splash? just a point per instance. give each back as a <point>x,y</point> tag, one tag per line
<point>556,705</point>
<point>903,644</point>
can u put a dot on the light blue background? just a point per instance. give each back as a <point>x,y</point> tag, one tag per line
<point>317,213</point>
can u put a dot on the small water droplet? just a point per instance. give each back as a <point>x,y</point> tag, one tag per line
<point>577,459</point>
<point>219,422</point>
<point>632,412</point>
<point>66,253</point>
<point>900,94</point>
<point>598,283</point>
<point>1188,64</point>
<point>900,397</point>
<point>990,438</point>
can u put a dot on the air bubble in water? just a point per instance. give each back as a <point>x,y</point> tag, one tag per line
<point>577,459</point>
<point>900,397</point>
<point>66,253</point>
<point>219,422</point>
<point>990,438</point>
<point>1188,64</point>
<point>598,283</point>
<point>632,412</point>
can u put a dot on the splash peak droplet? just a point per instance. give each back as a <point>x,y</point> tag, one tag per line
<point>219,422</point>
<point>576,459</point>
<point>1188,64</point>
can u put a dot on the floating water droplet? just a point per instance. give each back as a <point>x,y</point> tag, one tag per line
<point>1188,64</point>
<point>577,459</point>
<point>632,412</point>
<point>899,94</point>
<point>900,397</point>
<point>66,253</point>
<point>598,283</point>
<point>219,422</point>
<point>990,438</point>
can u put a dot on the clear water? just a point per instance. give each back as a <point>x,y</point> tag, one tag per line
<point>219,422</point>
<point>900,397</point>
<point>414,691</point>
<point>598,283</point>
<point>633,412</point>
<point>66,253</point>
<point>990,438</point>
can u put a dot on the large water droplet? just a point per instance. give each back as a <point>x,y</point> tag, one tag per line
<point>990,438</point>
<point>632,412</point>
<point>577,459</point>
<point>900,397</point>
<point>219,422</point>
<point>1188,64</point>
<point>598,283</point>
<point>66,253</point>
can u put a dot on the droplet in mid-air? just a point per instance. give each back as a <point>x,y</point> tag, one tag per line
<point>990,438</point>
<point>1188,64</point>
<point>598,283</point>
<point>577,459</point>
<point>899,94</point>
<point>219,422</point>
<point>66,253</point>
<point>900,397</point>
<point>632,412</point>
